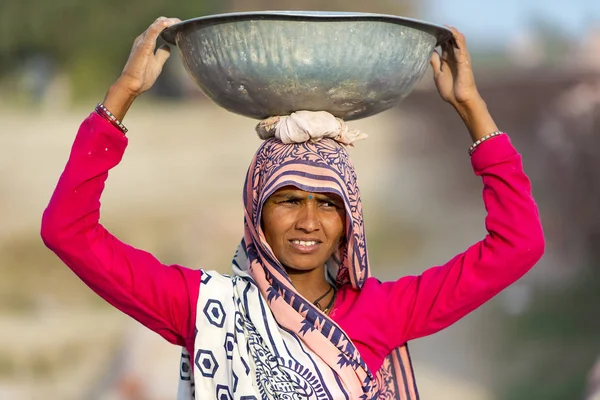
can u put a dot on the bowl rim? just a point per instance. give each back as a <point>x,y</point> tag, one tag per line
<point>441,33</point>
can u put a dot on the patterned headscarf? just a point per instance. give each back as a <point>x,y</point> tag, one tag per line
<point>318,166</point>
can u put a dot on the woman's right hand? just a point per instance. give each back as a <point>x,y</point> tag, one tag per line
<point>142,69</point>
<point>144,64</point>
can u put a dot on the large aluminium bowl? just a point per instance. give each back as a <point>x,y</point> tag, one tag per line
<point>262,64</point>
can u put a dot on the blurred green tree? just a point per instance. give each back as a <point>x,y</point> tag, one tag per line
<point>557,339</point>
<point>88,40</point>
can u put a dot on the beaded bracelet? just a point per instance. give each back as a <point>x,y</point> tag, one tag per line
<point>103,111</point>
<point>483,139</point>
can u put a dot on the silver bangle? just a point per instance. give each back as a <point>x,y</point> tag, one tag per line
<point>103,111</point>
<point>483,139</point>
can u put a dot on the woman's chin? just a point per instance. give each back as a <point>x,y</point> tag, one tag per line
<point>302,267</point>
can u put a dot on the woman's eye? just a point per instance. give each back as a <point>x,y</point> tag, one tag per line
<point>291,201</point>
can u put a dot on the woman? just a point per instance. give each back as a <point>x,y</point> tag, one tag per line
<point>300,317</point>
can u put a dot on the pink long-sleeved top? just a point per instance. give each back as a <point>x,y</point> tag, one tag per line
<point>377,318</point>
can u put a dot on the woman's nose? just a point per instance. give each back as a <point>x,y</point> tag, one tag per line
<point>308,218</point>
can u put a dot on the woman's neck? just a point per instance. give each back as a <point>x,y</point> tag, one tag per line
<point>311,284</point>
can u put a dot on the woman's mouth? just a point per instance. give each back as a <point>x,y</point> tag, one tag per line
<point>305,246</point>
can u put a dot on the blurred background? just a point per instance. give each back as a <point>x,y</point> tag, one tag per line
<point>177,193</point>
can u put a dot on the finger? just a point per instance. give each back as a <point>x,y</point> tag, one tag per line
<point>436,62</point>
<point>459,38</point>
<point>138,40</point>
<point>448,53</point>
<point>162,54</point>
<point>461,53</point>
<point>455,32</point>
<point>451,41</point>
<point>157,27</point>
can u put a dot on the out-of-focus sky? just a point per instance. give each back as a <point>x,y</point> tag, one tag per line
<point>494,21</point>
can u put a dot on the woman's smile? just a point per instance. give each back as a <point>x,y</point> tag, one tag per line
<point>305,246</point>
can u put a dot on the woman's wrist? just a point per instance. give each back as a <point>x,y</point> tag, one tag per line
<point>476,117</point>
<point>118,100</point>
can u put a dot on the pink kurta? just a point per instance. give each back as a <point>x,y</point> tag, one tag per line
<point>378,318</point>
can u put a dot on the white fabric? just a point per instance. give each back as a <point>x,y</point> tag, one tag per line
<point>242,353</point>
<point>303,126</point>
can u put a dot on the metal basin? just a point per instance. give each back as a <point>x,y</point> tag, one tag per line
<point>262,64</point>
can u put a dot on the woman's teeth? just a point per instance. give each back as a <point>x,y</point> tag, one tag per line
<point>303,243</point>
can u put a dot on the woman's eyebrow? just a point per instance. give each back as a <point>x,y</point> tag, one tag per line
<point>324,197</point>
<point>287,195</point>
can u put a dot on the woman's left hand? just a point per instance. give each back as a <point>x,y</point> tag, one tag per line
<point>455,82</point>
<point>453,74</point>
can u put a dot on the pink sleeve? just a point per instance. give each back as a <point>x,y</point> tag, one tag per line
<point>161,297</point>
<point>422,305</point>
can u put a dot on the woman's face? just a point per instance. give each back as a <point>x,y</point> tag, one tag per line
<point>303,229</point>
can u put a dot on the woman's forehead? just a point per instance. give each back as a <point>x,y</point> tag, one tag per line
<point>297,191</point>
